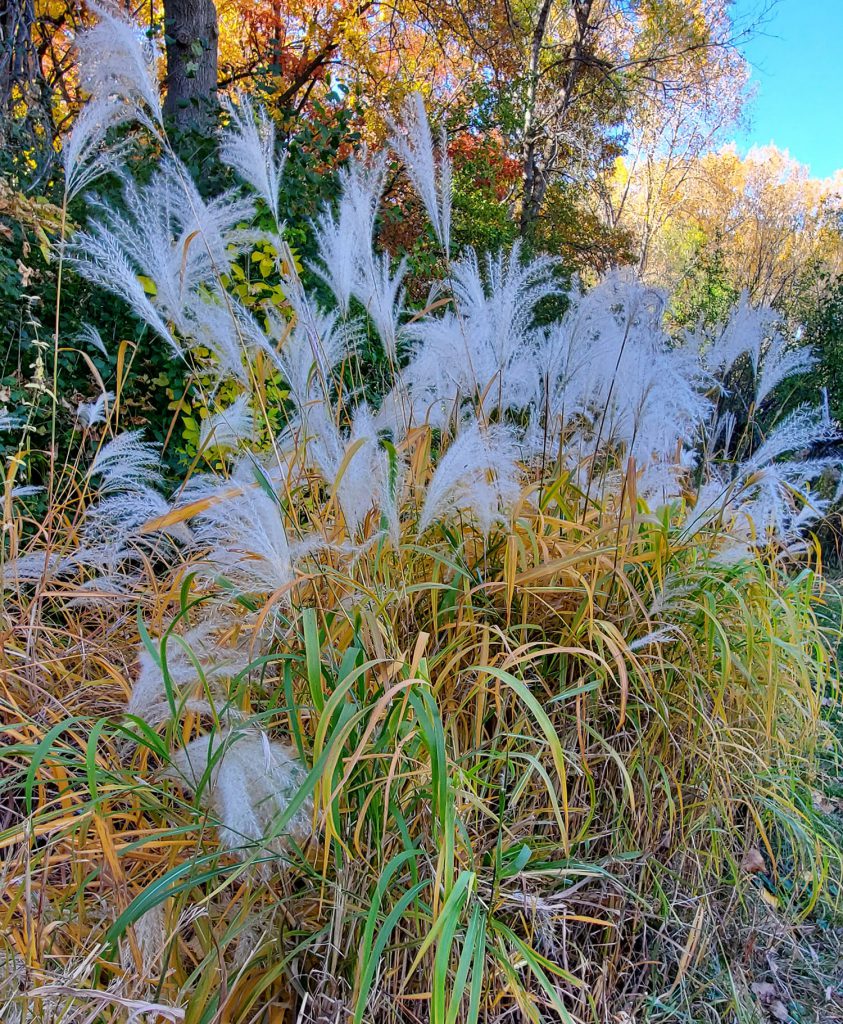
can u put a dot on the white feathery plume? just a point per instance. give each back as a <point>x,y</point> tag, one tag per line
<point>744,333</point>
<point>126,463</point>
<point>33,567</point>
<point>734,545</point>
<point>229,427</point>
<point>672,595</point>
<point>337,255</point>
<point>478,474</point>
<point>311,350</point>
<point>565,364</point>
<point>251,335</point>
<point>114,587</point>
<point>97,256</point>
<point>660,481</point>
<point>502,303</point>
<point>440,375</point>
<point>163,231</point>
<point>228,330</point>
<point>488,346</point>
<point>318,332</point>
<point>248,781</point>
<point>365,483</point>
<point>248,471</point>
<point>209,323</point>
<point>712,502</point>
<point>347,262</point>
<point>766,499</point>
<point>115,527</point>
<point>26,490</point>
<point>246,541</point>
<point>85,154</point>
<point>781,489</point>
<point>779,362</point>
<point>666,634</point>
<point>610,369</point>
<point>398,411</point>
<point>345,238</point>
<point>723,431</point>
<point>267,470</point>
<point>248,146</point>
<point>812,510</point>
<point>324,443</point>
<point>116,59</point>
<point>797,432</point>
<point>114,531</point>
<point>496,312</point>
<point>114,523</point>
<point>8,421</point>
<point>150,933</point>
<point>117,539</point>
<point>91,413</point>
<point>199,649</point>
<point>89,335</point>
<point>766,506</point>
<point>380,292</point>
<point>429,170</point>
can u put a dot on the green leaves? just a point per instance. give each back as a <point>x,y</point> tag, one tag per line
<point>550,735</point>
<point>370,964</point>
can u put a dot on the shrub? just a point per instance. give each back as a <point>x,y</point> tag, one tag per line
<point>500,692</point>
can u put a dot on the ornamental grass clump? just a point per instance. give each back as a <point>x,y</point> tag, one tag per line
<point>496,691</point>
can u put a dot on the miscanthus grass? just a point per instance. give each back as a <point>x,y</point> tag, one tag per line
<point>498,692</point>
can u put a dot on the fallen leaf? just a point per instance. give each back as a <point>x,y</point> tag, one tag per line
<point>765,991</point>
<point>777,1010</point>
<point>822,803</point>
<point>768,996</point>
<point>768,897</point>
<point>753,862</point>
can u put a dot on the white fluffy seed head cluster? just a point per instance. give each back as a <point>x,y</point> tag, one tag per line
<point>251,783</point>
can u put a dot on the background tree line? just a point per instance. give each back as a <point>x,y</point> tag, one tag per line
<point>592,129</point>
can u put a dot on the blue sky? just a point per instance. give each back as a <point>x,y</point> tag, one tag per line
<point>797,68</point>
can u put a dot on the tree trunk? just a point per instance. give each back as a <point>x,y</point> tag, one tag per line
<point>24,95</point>
<point>16,50</point>
<point>542,128</point>
<point>529,131</point>
<point>191,39</point>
